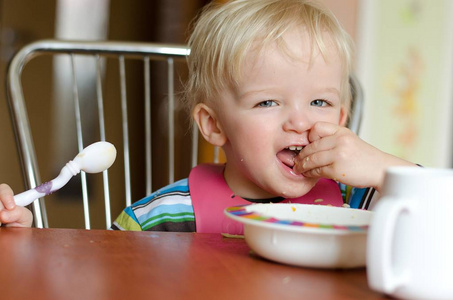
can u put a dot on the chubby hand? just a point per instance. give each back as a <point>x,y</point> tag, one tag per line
<point>336,152</point>
<point>12,215</point>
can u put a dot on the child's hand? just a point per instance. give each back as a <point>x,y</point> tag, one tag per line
<point>336,152</point>
<point>12,215</point>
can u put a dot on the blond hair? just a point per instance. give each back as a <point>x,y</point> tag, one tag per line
<point>225,33</point>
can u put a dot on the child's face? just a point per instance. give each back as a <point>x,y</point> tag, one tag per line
<point>275,104</point>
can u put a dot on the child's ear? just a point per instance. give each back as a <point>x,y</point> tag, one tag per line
<point>209,125</point>
<point>343,116</point>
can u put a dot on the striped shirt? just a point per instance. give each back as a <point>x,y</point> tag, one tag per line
<point>170,208</point>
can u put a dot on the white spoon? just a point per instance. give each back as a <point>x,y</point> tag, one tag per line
<point>95,158</point>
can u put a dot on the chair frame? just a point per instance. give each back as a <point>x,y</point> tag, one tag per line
<point>24,140</point>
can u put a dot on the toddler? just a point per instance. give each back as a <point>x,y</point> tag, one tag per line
<point>269,84</point>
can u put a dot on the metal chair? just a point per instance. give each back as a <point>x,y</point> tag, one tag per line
<point>102,54</point>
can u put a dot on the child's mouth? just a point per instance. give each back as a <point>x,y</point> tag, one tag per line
<point>287,155</point>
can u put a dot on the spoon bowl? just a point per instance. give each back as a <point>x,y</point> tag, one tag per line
<point>95,158</point>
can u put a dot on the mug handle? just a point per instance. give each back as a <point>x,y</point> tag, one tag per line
<point>380,270</point>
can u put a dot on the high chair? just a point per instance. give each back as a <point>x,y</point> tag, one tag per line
<point>135,104</point>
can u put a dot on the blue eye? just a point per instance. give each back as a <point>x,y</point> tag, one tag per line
<point>319,102</point>
<point>267,103</point>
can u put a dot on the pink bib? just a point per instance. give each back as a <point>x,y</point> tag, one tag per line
<point>211,195</point>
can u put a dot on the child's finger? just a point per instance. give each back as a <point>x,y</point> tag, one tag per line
<point>4,216</point>
<point>7,196</point>
<point>18,217</point>
<point>324,144</point>
<point>314,165</point>
<point>316,172</point>
<point>322,129</point>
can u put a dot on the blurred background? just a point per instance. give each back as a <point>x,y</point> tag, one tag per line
<point>403,60</point>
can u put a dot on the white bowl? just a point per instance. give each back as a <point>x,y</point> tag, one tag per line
<point>305,235</point>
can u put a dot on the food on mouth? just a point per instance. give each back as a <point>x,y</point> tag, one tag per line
<point>287,155</point>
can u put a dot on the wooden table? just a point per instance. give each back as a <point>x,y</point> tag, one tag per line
<point>100,264</point>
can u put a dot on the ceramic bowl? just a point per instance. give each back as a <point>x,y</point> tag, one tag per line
<point>305,235</point>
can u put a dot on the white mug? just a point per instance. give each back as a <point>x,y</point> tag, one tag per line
<point>410,239</point>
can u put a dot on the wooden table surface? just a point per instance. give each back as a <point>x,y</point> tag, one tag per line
<point>100,264</point>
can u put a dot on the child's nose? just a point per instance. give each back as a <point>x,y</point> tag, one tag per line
<point>297,121</point>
